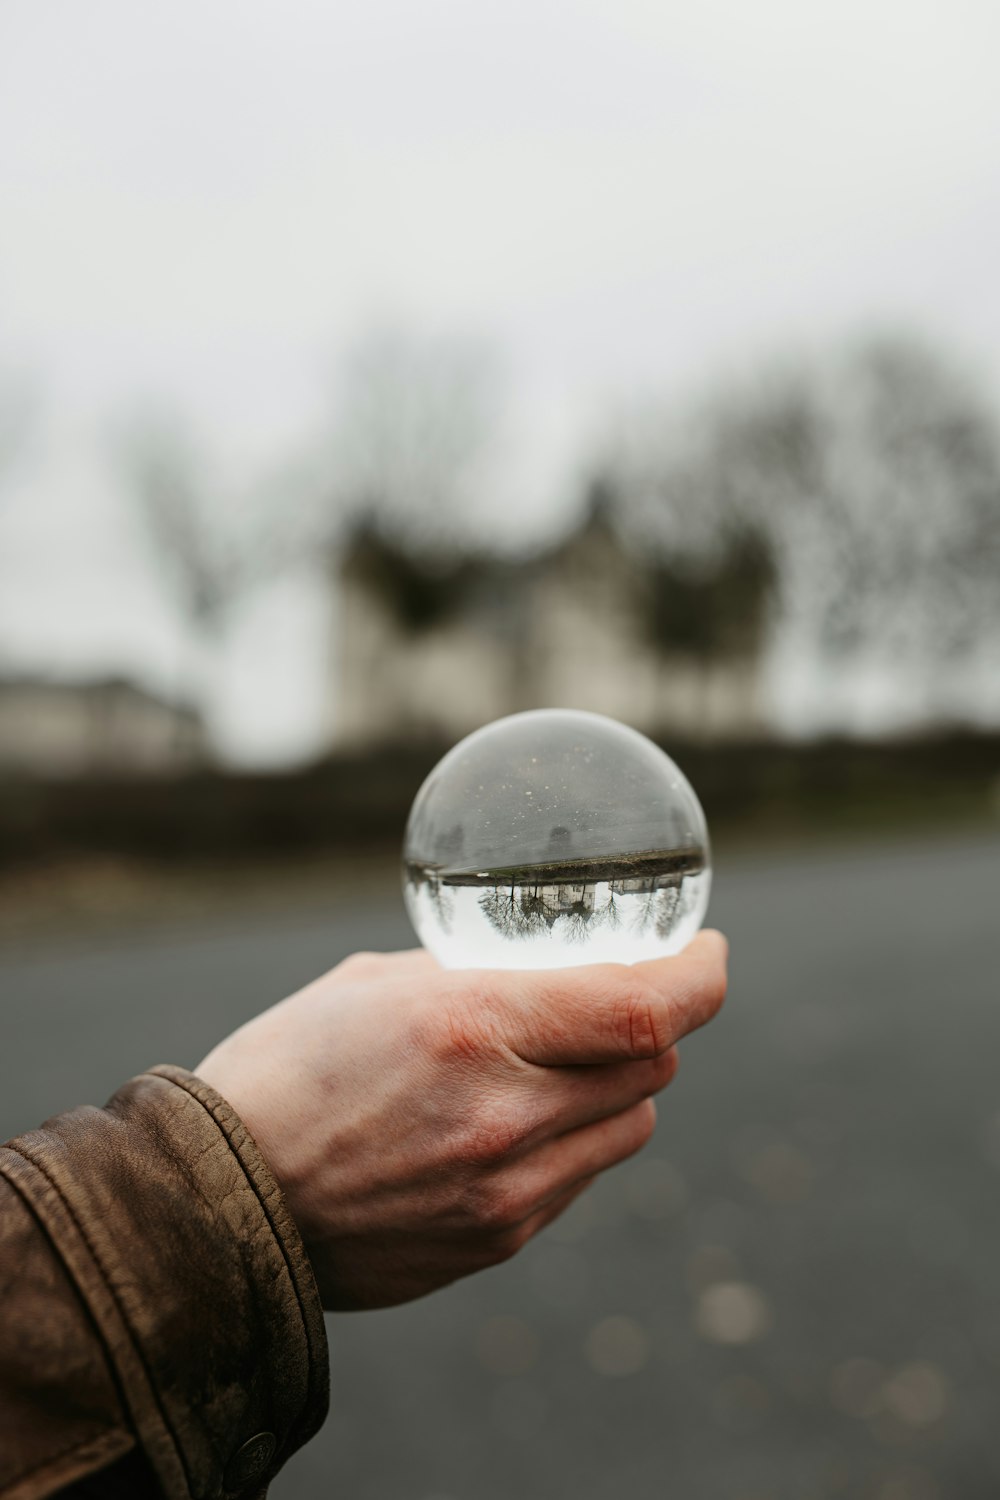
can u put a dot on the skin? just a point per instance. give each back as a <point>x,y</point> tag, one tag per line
<point>425,1123</point>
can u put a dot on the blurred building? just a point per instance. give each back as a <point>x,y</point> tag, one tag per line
<point>435,646</point>
<point>108,727</point>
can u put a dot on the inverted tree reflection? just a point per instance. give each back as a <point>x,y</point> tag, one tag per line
<point>580,907</point>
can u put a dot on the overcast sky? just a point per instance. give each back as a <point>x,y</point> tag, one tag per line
<point>208,201</point>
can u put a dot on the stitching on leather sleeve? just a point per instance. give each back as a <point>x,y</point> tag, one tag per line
<point>182,1083</point>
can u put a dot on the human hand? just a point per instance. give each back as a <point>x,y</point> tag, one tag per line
<point>424,1123</point>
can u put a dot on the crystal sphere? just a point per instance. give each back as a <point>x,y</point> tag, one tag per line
<point>551,838</point>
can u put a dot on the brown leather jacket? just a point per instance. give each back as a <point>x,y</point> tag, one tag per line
<point>160,1329</point>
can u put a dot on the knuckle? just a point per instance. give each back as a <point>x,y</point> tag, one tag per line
<point>640,1023</point>
<point>499,1208</point>
<point>491,1135</point>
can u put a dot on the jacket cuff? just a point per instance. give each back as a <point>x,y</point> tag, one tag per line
<point>179,1241</point>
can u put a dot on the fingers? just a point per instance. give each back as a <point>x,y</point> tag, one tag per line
<point>551,1210</point>
<point>521,1199</point>
<point>580,1096</point>
<point>613,1012</point>
<point>559,1165</point>
<point>696,991</point>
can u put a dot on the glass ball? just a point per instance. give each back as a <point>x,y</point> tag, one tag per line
<point>552,838</point>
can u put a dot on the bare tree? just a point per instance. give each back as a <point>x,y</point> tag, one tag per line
<point>198,555</point>
<point>709,567</point>
<point>915,510</point>
<point>871,480</point>
<point>212,544</point>
<point>877,476</point>
<point>413,437</point>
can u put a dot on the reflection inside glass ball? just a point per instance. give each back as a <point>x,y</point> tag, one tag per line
<point>555,837</point>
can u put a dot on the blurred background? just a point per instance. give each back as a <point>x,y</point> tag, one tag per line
<point>369,373</point>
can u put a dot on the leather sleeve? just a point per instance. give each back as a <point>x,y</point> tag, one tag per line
<point>160,1327</point>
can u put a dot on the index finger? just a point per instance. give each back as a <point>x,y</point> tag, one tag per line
<point>604,1013</point>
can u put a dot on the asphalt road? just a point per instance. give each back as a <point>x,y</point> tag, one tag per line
<point>794,1293</point>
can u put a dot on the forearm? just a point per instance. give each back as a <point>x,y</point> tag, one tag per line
<point>156,1301</point>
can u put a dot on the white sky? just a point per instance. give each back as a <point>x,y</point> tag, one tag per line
<point>208,201</point>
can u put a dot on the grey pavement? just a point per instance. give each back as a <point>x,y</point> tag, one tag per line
<point>793,1294</point>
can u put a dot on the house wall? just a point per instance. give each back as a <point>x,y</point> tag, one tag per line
<point>389,685</point>
<point>52,729</point>
<point>571,634</point>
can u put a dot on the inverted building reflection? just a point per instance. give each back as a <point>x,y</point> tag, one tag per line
<point>650,892</point>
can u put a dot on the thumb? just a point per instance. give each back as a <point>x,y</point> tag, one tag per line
<point>600,1013</point>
